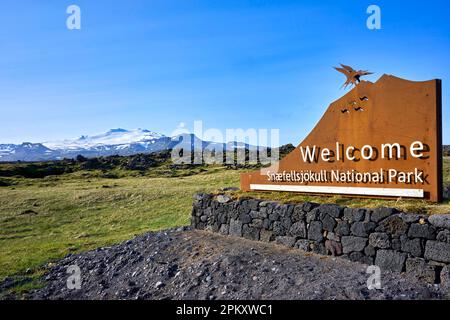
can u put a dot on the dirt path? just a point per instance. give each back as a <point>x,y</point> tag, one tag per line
<point>185,264</point>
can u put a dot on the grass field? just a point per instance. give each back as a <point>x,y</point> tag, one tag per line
<point>47,218</point>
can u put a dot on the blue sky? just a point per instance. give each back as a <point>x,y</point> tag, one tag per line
<point>232,64</point>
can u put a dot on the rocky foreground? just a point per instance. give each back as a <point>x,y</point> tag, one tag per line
<point>191,264</point>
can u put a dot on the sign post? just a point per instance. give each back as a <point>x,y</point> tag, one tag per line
<point>381,139</point>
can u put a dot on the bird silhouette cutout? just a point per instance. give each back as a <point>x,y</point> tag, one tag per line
<point>353,76</point>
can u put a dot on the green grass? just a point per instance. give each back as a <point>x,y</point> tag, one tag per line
<point>446,171</point>
<point>75,213</point>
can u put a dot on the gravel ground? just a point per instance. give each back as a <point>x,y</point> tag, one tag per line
<point>191,264</point>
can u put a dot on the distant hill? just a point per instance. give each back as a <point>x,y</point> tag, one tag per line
<point>446,151</point>
<point>114,142</point>
<point>142,162</point>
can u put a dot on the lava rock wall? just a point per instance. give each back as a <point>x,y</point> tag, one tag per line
<point>392,240</point>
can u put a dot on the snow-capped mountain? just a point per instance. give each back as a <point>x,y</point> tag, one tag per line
<point>119,138</point>
<point>25,152</point>
<point>114,142</point>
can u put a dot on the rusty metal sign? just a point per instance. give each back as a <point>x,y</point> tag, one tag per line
<point>381,139</point>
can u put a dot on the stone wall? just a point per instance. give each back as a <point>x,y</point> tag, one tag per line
<point>392,240</point>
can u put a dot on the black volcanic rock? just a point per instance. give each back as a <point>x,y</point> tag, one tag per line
<point>183,264</point>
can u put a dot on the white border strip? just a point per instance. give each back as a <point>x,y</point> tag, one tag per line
<point>386,192</point>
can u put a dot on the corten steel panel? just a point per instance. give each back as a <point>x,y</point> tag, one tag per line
<point>394,111</point>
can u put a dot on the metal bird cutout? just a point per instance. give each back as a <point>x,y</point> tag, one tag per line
<point>353,76</point>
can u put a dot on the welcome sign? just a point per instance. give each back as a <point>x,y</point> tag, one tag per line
<point>381,139</point>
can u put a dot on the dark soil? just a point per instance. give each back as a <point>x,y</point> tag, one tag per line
<point>185,264</point>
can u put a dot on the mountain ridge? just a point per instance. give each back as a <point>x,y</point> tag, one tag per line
<point>118,141</point>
